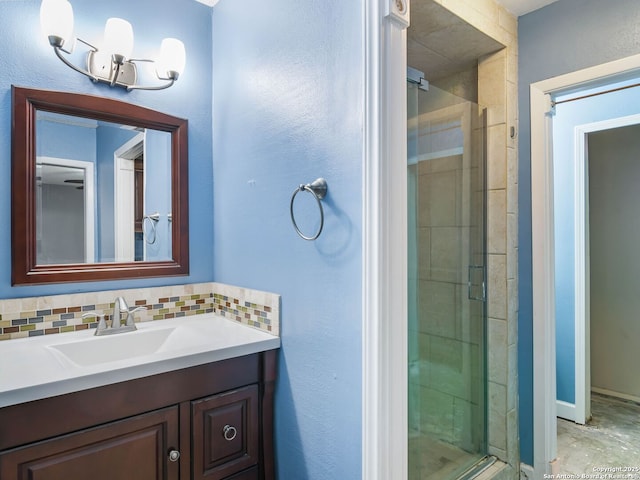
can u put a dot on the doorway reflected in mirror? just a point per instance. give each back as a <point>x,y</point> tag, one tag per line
<point>117,191</point>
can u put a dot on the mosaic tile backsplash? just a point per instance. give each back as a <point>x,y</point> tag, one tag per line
<point>33,316</point>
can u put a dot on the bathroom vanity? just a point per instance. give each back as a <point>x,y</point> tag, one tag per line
<point>144,418</point>
<point>212,421</point>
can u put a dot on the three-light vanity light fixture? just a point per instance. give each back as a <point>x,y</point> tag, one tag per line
<point>112,63</point>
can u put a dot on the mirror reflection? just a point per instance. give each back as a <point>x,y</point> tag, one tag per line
<point>103,191</point>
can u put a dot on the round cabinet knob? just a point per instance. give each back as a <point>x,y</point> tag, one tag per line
<point>174,455</point>
<point>229,432</point>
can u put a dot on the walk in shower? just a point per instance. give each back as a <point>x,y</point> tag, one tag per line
<point>447,308</point>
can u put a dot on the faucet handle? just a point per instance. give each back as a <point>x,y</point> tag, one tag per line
<point>102,325</point>
<point>130,318</point>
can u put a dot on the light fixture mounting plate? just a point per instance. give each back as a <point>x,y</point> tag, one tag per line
<point>104,69</point>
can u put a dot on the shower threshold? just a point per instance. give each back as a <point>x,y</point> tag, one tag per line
<point>478,468</point>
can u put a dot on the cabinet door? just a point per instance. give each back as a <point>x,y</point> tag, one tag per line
<point>251,474</point>
<point>225,433</point>
<point>137,448</point>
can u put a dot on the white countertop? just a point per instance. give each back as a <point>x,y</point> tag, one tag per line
<point>34,368</point>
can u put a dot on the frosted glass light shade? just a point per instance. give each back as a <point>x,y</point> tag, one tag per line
<point>56,19</point>
<point>172,57</point>
<point>118,38</point>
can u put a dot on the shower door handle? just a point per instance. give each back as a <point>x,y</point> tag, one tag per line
<point>476,284</point>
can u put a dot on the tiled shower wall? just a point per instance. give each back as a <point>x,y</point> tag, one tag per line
<point>449,329</point>
<point>34,316</point>
<point>497,90</point>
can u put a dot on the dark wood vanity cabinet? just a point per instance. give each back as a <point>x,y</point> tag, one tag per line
<point>134,448</point>
<point>226,428</point>
<point>210,422</point>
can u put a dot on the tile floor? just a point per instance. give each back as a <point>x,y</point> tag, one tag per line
<point>435,460</point>
<point>610,439</point>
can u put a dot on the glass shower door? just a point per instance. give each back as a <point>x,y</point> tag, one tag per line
<point>447,314</point>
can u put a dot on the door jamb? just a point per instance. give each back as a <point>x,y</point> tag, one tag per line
<point>582,286</point>
<point>89,199</point>
<point>384,243</point>
<point>123,195</point>
<point>543,285</point>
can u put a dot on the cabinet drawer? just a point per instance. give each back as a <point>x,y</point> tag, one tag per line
<point>133,448</point>
<point>225,433</point>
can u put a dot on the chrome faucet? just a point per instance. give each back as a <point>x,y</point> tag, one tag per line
<point>119,307</point>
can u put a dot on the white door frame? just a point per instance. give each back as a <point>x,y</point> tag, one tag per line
<point>581,249</point>
<point>384,244</point>
<point>123,198</point>
<point>89,199</point>
<point>544,358</point>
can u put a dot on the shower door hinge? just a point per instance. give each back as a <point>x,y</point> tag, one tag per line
<point>477,285</point>
<point>417,77</point>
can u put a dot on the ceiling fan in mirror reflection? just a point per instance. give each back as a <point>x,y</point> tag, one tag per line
<point>112,63</point>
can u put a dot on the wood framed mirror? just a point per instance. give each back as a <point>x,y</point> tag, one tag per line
<point>99,189</point>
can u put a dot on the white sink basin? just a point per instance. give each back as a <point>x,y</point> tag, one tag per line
<point>111,348</point>
<point>51,365</point>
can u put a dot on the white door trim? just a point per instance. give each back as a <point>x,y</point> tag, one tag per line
<point>123,198</point>
<point>543,282</point>
<point>582,373</point>
<point>89,199</point>
<point>581,249</point>
<point>384,263</point>
<point>123,225</point>
<point>544,401</point>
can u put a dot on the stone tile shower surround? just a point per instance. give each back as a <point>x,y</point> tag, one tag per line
<point>47,315</point>
<point>497,90</point>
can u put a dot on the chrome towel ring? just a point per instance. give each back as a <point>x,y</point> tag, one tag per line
<point>318,189</point>
<point>153,218</point>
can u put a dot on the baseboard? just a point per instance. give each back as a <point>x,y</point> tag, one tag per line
<point>526,472</point>
<point>611,393</point>
<point>566,410</point>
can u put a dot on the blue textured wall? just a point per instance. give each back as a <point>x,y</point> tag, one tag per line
<point>563,37</point>
<point>288,108</point>
<point>157,167</point>
<point>50,141</point>
<point>27,60</point>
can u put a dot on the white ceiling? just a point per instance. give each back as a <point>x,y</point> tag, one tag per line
<point>520,7</point>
